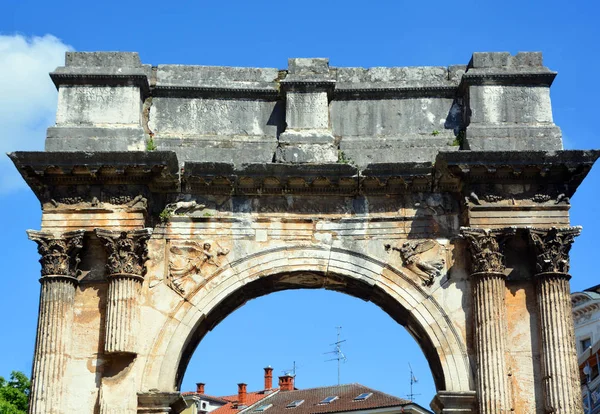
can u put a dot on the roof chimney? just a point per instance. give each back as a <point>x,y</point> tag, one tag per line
<point>241,395</point>
<point>268,378</point>
<point>286,382</point>
<point>200,387</point>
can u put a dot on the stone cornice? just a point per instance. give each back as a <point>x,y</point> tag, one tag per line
<point>585,308</point>
<point>508,78</point>
<point>554,174</point>
<point>103,76</point>
<point>558,171</point>
<point>44,171</point>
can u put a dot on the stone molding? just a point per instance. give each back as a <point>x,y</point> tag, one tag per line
<point>486,247</point>
<point>160,402</point>
<point>451,402</point>
<point>59,253</point>
<point>552,247</point>
<point>127,251</point>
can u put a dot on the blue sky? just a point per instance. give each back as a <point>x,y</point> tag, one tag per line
<point>261,33</point>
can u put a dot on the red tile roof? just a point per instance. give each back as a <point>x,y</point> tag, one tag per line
<point>231,407</point>
<point>345,402</point>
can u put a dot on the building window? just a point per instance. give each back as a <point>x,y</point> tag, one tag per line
<point>585,344</point>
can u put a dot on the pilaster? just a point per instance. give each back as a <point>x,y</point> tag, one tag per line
<point>487,272</point>
<point>307,137</point>
<point>127,253</point>
<point>59,260</point>
<point>560,372</point>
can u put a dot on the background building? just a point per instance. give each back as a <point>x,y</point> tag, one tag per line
<point>355,398</point>
<point>586,313</point>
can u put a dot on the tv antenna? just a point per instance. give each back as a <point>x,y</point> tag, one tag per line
<point>291,372</point>
<point>413,380</point>
<point>339,355</point>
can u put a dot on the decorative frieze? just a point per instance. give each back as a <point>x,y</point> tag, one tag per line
<point>189,259</point>
<point>59,260</point>
<point>486,248</point>
<point>422,257</point>
<point>125,266</point>
<point>560,372</point>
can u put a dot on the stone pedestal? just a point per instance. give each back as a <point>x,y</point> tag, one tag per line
<point>307,137</point>
<point>127,253</point>
<point>488,279</point>
<point>60,257</point>
<point>509,103</point>
<point>100,99</point>
<point>560,372</point>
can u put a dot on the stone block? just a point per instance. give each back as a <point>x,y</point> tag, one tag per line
<point>308,66</point>
<point>307,153</point>
<point>496,104</point>
<point>513,138</point>
<point>107,59</point>
<point>399,76</point>
<point>99,105</point>
<point>195,77</point>
<point>490,60</point>
<point>307,110</point>
<point>95,138</point>
<point>206,117</point>
<point>395,117</point>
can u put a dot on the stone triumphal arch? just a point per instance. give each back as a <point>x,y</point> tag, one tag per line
<point>171,195</point>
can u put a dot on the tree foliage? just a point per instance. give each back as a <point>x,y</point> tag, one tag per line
<point>14,393</point>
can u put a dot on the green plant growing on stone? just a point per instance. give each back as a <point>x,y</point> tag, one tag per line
<point>459,139</point>
<point>343,159</point>
<point>435,132</point>
<point>165,215</point>
<point>207,214</point>
<point>150,144</point>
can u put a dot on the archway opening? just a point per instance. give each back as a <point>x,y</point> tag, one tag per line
<point>294,330</point>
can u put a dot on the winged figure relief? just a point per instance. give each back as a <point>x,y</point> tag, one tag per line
<point>191,258</point>
<point>411,252</point>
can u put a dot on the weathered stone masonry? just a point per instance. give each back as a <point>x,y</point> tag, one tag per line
<point>172,194</point>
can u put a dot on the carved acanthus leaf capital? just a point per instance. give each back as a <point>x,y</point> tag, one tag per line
<point>486,248</point>
<point>552,248</point>
<point>59,253</point>
<point>127,250</point>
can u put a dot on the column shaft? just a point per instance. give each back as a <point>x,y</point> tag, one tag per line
<point>122,314</point>
<point>489,287</point>
<point>53,333</point>
<point>490,342</point>
<point>560,372</point>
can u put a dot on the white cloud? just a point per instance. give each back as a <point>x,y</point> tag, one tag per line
<point>27,97</point>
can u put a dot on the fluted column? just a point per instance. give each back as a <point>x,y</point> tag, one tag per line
<point>489,288</point>
<point>59,260</point>
<point>560,372</point>
<point>127,253</point>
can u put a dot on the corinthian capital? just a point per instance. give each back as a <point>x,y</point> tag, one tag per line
<point>486,248</point>
<point>59,253</point>
<point>127,250</point>
<point>552,248</point>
